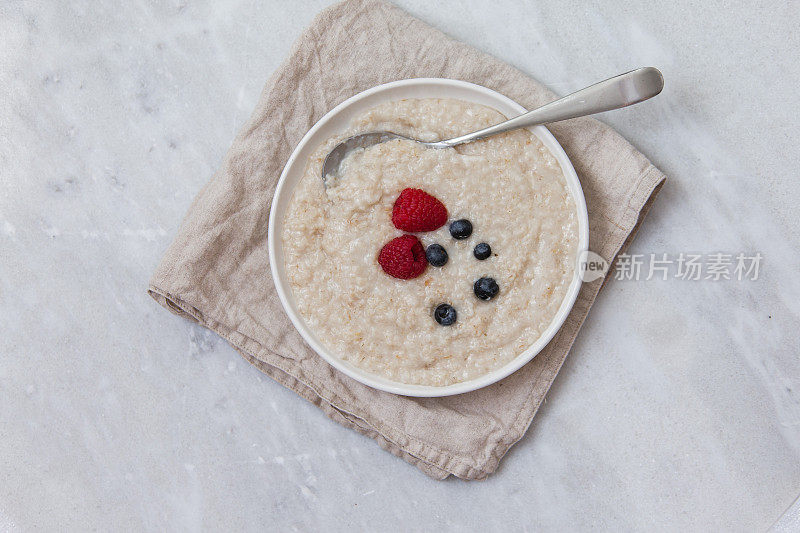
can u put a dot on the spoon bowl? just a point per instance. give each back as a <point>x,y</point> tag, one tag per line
<point>333,160</point>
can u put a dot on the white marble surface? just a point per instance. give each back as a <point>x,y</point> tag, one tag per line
<point>678,407</point>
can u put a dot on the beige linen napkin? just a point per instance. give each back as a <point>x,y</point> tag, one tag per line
<point>216,272</point>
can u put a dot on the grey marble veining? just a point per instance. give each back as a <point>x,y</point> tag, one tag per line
<point>678,406</point>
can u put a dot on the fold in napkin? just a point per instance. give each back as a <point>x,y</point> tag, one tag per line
<point>216,272</point>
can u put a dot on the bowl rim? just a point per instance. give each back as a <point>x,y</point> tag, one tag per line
<point>379,382</point>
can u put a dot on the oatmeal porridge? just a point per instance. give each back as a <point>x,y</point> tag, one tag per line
<point>483,265</point>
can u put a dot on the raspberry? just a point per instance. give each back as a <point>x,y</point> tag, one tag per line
<point>415,210</point>
<point>403,257</point>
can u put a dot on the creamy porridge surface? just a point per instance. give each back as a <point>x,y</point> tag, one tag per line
<point>510,187</point>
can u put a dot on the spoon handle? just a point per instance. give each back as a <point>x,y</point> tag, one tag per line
<point>620,91</point>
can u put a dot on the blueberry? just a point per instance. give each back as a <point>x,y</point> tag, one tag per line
<point>461,229</point>
<point>436,254</point>
<point>482,251</point>
<point>486,288</point>
<point>445,314</point>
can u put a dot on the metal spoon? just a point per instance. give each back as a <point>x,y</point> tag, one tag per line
<point>620,91</point>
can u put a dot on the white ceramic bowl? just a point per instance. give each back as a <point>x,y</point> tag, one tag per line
<point>336,121</point>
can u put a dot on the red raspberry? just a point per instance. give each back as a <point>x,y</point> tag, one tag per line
<point>415,210</point>
<point>403,257</point>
